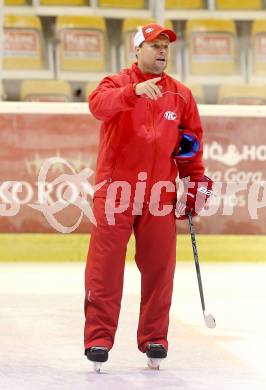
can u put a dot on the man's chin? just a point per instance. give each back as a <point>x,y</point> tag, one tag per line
<point>159,68</point>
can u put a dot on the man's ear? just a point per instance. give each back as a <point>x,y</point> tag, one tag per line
<point>137,50</point>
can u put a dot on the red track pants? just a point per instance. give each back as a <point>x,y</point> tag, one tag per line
<point>155,258</point>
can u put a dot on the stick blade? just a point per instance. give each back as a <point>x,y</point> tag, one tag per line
<point>210,321</point>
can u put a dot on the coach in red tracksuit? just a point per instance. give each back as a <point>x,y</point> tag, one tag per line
<point>144,114</point>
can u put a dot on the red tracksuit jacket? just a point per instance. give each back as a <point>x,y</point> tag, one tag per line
<point>139,134</point>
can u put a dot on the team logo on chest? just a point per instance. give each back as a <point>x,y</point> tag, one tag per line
<point>170,115</point>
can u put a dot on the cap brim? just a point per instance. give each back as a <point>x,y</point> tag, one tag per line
<point>171,35</point>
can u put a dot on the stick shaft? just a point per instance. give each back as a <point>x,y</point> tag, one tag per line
<point>196,258</point>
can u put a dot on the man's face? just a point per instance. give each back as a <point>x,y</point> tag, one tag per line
<point>153,55</point>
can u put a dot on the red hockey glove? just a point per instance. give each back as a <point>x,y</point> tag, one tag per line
<point>194,197</point>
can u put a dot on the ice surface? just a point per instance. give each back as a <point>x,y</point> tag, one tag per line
<point>41,331</point>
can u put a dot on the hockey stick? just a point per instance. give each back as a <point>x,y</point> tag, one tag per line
<point>208,318</point>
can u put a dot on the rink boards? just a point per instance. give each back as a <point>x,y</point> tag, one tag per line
<point>235,152</point>
<point>65,137</point>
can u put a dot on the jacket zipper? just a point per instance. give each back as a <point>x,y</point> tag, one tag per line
<point>154,146</point>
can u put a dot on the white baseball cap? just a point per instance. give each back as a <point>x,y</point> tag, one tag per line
<point>151,31</point>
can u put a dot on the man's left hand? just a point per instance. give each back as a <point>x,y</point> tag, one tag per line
<point>194,197</point>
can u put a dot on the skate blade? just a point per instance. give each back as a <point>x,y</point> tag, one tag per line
<point>97,367</point>
<point>154,364</point>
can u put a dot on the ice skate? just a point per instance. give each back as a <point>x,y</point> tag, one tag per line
<point>155,353</point>
<point>97,355</point>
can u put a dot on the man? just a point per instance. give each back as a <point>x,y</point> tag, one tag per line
<point>150,131</point>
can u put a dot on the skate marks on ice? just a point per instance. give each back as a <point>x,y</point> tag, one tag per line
<point>195,359</point>
<point>236,293</point>
<point>41,349</point>
<point>39,339</point>
<point>41,330</point>
<point>193,364</point>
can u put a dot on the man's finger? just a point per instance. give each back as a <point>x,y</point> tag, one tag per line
<point>152,93</point>
<point>155,80</point>
<point>157,90</point>
<point>149,92</point>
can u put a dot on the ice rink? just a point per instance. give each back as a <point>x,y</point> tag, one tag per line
<point>41,331</point>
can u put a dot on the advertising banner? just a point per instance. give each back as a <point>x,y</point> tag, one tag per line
<point>235,155</point>
<point>40,153</point>
<point>29,140</point>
